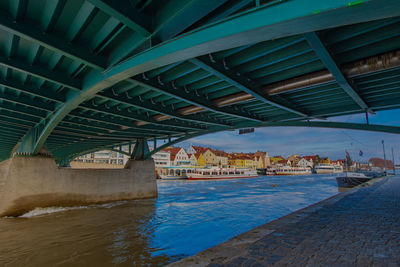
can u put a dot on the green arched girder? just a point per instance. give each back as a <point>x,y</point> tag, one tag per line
<point>258,24</point>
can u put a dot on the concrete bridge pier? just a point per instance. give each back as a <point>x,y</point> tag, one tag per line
<point>27,182</point>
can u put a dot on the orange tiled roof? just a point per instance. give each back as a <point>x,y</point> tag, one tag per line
<point>200,149</point>
<point>172,150</point>
<point>310,157</point>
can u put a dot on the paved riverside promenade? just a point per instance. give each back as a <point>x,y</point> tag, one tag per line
<point>360,227</point>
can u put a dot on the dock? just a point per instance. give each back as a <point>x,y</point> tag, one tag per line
<point>360,227</point>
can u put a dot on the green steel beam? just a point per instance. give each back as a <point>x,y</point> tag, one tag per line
<point>138,102</point>
<point>106,128</point>
<point>177,15</point>
<point>22,110</point>
<point>288,18</point>
<point>239,81</point>
<point>170,20</point>
<point>323,53</point>
<point>29,32</point>
<point>140,150</point>
<point>138,116</point>
<point>41,72</point>
<point>122,123</point>
<point>192,98</point>
<point>42,92</point>
<point>39,105</point>
<point>267,22</point>
<point>124,12</point>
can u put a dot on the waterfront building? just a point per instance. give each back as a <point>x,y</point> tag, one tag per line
<point>104,157</point>
<point>194,149</point>
<point>284,162</point>
<point>200,159</point>
<point>264,158</point>
<point>241,160</point>
<point>248,162</point>
<point>192,159</point>
<point>312,159</point>
<point>294,159</point>
<point>162,159</point>
<point>210,158</point>
<point>259,163</point>
<point>276,159</point>
<point>222,158</point>
<point>235,161</point>
<point>178,156</point>
<point>303,162</point>
<point>325,160</point>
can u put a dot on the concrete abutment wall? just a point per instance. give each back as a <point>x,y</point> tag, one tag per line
<point>30,182</point>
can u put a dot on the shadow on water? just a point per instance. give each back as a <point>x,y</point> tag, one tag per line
<point>187,217</point>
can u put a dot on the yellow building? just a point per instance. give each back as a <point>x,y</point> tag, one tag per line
<point>200,159</point>
<point>241,160</point>
<point>294,159</point>
<point>236,162</point>
<point>275,160</point>
<point>325,160</point>
<point>259,162</point>
<point>249,163</point>
<point>222,158</point>
<point>210,158</point>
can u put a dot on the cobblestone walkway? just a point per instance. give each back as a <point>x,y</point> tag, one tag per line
<point>356,228</point>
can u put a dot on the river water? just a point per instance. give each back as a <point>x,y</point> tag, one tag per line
<point>186,218</point>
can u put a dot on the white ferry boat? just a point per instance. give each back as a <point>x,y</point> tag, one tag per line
<point>221,173</point>
<point>270,171</point>
<point>287,170</point>
<point>328,168</point>
<point>174,173</point>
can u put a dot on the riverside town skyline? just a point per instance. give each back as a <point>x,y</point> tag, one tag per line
<point>306,141</point>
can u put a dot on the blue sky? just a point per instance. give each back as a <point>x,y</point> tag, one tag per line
<point>286,141</point>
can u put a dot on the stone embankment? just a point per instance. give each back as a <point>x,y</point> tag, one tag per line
<point>360,227</point>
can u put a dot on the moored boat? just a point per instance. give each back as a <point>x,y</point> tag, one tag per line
<point>221,173</point>
<point>287,170</point>
<point>351,179</point>
<point>174,173</point>
<point>324,168</point>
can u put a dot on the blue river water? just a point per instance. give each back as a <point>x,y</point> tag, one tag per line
<point>186,218</point>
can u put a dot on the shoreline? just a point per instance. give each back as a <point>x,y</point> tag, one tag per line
<point>235,248</point>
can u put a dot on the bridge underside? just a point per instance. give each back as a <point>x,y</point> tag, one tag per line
<point>79,76</point>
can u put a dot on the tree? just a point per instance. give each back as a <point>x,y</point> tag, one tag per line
<point>317,159</point>
<point>378,162</point>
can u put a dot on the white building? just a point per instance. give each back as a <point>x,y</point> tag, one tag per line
<point>192,159</point>
<point>305,163</point>
<point>105,157</point>
<point>178,156</point>
<point>162,159</point>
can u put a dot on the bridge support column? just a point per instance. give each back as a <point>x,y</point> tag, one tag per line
<point>27,182</point>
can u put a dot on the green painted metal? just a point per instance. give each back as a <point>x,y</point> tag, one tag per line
<point>125,13</point>
<point>65,162</point>
<point>150,106</point>
<point>59,86</point>
<point>40,72</point>
<point>140,150</point>
<point>266,25</point>
<point>62,46</point>
<point>192,97</point>
<point>320,49</point>
<point>237,80</point>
